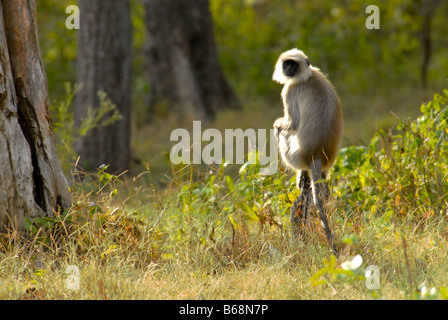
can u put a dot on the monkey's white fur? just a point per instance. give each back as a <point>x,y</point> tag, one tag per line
<point>293,54</point>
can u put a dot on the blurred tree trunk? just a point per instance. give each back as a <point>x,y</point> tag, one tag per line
<point>104,63</point>
<point>182,62</point>
<point>427,9</point>
<point>31,179</point>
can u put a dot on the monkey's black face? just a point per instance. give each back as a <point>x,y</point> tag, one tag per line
<point>290,68</point>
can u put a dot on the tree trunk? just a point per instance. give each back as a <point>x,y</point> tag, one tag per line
<point>104,63</point>
<point>428,8</point>
<point>32,182</point>
<point>426,45</point>
<point>181,60</point>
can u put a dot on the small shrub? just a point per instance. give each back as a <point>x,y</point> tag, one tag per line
<point>64,122</point>
<point>402,173</point>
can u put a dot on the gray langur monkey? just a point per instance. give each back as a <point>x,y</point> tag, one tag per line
<point>310,132</point>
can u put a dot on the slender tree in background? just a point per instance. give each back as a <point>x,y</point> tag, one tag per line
<point>104,63</point>
<point>427,9</point>
<point>181,59</point>
<point>32,182</point>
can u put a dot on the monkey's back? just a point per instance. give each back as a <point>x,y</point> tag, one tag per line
<point>318,133</point>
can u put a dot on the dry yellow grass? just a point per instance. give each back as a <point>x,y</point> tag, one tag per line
<point>266,267</point>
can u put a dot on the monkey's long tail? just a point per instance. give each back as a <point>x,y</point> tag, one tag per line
<point>318,193</point>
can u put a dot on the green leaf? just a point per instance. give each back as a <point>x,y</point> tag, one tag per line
<point>230,184</point>
<point>233,221</point>
<point>113,193</point>
<point>28,225</point>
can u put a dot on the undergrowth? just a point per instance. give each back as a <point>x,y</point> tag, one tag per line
<point>211,235</point>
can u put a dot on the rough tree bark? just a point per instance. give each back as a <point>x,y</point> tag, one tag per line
<point>104,63</point>
<point>32,182</point>
<point>181,59</point>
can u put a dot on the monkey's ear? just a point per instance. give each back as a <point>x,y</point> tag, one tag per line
<point>308,62</point>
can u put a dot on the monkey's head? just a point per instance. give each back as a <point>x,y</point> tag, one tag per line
<point>292,66</point>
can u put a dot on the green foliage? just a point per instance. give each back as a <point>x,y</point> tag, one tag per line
<point>58,45</point>
<point>105,115</point>
<point>401,173</point>
<point>248,199</point>
<point>250,35</point>
<point>334,36</point>
<point>335,273</point>
<point>67,133</point>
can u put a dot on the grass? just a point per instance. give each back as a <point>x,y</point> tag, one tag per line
<point>160,251</point>
<point>276,269</point>
<point>217,234</point>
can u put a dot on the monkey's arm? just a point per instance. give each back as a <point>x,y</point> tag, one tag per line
<point>285,126</point>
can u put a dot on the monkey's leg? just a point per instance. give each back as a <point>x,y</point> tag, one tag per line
<point>300,207</point>
<point>318,194</point>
